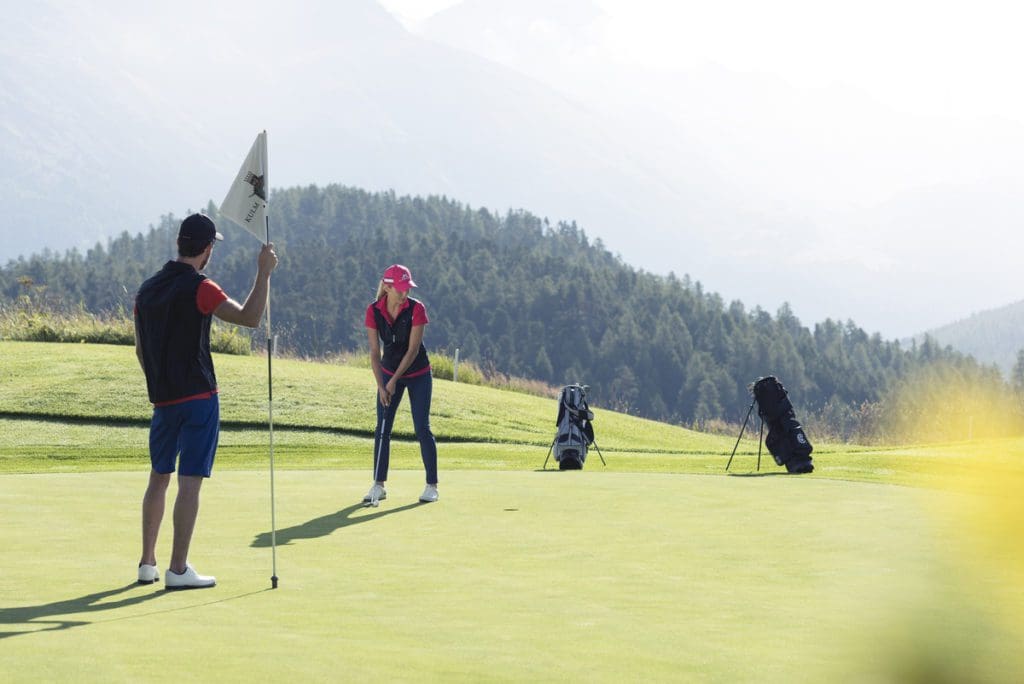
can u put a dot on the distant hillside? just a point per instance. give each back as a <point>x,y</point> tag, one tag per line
<point>68,387</point>
<point>114,122</point>
<point>993,336</point>
<point>148,108</point>
<point>519,294</point>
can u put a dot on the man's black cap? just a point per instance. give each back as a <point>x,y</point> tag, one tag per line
<point>200,228</point>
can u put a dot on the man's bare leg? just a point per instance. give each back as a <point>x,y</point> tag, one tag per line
<point>153,514</point>
<point>186,510</point>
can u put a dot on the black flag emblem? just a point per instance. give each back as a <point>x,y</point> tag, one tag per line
<point>257,185</point>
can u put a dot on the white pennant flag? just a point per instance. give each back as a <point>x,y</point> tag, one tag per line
<point>246,202</point>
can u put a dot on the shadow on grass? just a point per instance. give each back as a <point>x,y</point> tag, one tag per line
<point>769,474</point>
<point>29,615</point>
<point>83,604</point>
<point>326,524</point>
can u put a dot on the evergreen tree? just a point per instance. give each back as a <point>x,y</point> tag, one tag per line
<point>1017,376</point>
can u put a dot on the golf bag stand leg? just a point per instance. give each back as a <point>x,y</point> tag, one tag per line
<point>744,427</point>
<point>760,440</point>
<point>600,454</point>
<point>550,449</point>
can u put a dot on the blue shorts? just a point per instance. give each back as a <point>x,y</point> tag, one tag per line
<point>191,429</point>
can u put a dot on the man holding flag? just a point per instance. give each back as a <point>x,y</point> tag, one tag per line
<point>173,312</point>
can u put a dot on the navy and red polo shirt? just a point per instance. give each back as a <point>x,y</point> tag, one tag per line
<point>395,333</point>
<point>173,312</point>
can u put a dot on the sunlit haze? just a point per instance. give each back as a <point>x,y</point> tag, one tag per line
<point>885,134</point>
<point>947,58</point>
<point>857,161</point>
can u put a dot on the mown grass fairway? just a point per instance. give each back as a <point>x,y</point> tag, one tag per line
<point>510,577</point>
<point>660,567</point>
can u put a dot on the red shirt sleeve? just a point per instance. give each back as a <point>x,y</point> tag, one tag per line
<point>371,321</point>
<point>419,314</point>
<point>209,296</point>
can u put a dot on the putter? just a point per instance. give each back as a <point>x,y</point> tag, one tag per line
<point>374,501</point>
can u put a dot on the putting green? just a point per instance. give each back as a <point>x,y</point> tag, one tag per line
<point>512,576</point>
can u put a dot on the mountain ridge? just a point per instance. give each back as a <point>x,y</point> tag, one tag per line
<point>994,336</point>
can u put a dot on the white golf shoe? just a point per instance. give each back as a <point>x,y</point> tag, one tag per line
<point>376,493</point>
<point>429,494</point>
<point>148,574</point>
<point>190,579</point>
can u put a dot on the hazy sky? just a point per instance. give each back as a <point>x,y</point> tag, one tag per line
<point>875,145</point>
<point>884,97</point>
<point>957,58</point>
<point>889,133</point>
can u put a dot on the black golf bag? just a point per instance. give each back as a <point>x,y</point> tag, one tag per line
<point>575,432</point>
<point>786,440</point>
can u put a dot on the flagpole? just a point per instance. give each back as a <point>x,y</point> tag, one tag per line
<point>270,422</point>
<point>244,203</point>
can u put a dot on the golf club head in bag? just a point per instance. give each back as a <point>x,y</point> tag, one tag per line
<point>786,441</point>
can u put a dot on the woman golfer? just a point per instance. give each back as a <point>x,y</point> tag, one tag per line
<point>394,323</point>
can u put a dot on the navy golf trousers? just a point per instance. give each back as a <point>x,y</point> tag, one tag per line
<point>420,389</point>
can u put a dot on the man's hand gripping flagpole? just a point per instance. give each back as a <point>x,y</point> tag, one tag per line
<point>246,205</point>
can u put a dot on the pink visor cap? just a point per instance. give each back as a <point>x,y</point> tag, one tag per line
<point>399,277</point>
